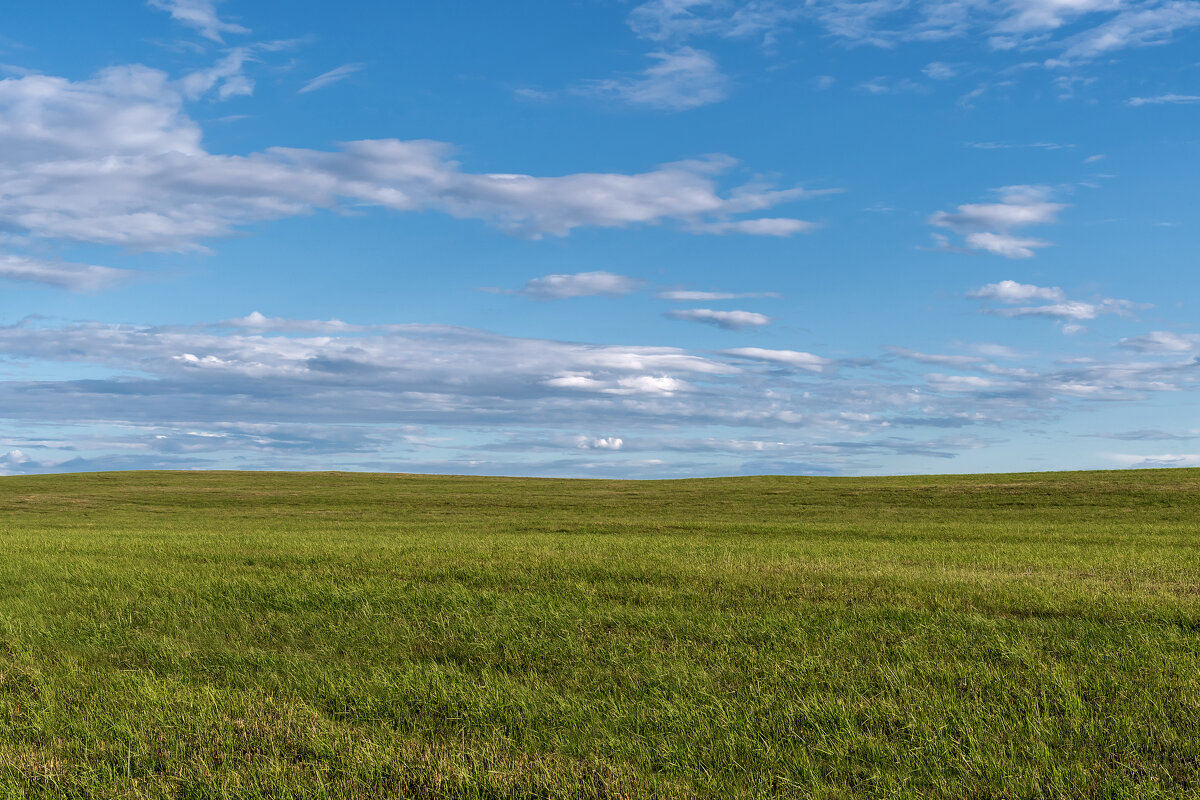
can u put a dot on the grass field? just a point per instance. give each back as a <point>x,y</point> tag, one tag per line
<point>338,635</point>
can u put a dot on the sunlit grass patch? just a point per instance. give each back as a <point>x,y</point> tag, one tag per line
<point>335,635</point>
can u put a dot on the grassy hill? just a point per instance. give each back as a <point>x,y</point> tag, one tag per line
<point>346,635</point>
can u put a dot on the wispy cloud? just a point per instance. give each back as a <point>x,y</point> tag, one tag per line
<point>1095,27</point>
<point>1171,99</point>
<point>692,296</point>
<point>1012,146</point>
<point>767,226</point>
<point>1147,435</point>
<point>60,274</point>
<point>678,80</point>
<point>1136,25</point>
<point>886,85</point>
<point>198,14</point>
<point>940,70</point>
<point>730,320</point>
<point>788,358</point>
<point>1163,342</point>
<point>227,76</point>
<point>330,77</point>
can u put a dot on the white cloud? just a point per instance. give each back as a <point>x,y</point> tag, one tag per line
<point>665,20</point>
<point>679,80</point>
<point>1007,245</point>
<point>198,14</point>
<point>886,85</point>
<point>579,284</point>
<point>770,226</point>
<point>330,77</point>
<point>1058,306</point>
<point>961,362</point>
<point>940,70</point>
<point>14,462</point>
<point>1177,99</point>
<point>964,383</point>
<point>636,385</point>
<point>1027,16</point>
<point>256,321</point>
<point>1137,25</point>
<point>1011,146</point>
<point>990,226</point>
<point>286,393</point>
<point>1018,206</point>
<point>1138,461</point>
<point>791,358</point>
<point>227,76</point>
<point>1067,310</point>
<point>75,277</point>
<point>1094,27</point>
<point>690,296</point>
<point>115,160</point>
<point>1012,292</point>
<point>730,320</point>
<point>1162,342</point>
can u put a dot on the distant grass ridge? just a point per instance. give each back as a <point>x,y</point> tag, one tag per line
<point>277,635</point>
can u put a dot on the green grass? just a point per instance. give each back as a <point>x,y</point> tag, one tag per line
<point>282,635</point>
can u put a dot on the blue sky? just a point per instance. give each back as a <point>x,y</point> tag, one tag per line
<point>598,238</point>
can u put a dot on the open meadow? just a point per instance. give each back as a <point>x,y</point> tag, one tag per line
<point>246,635</point>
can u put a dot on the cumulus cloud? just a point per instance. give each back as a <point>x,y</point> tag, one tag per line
<point>329,78</point>
<point>990,226</point>
<point>15,462</point>
<point>1004,244</point>
<point>678,80</point>
<point>729,320</point>
<point>198,14</point>
<point>579,284</point>
<point>115,160</point>
<point>1058,306</point>
<point>1012,292</point>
